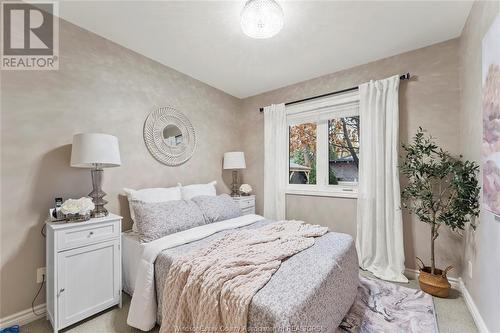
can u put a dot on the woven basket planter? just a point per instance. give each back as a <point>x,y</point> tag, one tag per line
<point>436,284</point>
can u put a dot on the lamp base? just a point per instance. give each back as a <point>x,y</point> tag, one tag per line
<point>98,194</point>
<point>235,192</point>
<point>101,212</point>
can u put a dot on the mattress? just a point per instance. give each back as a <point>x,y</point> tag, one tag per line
<point>311,291</point>
<point>132,251</point>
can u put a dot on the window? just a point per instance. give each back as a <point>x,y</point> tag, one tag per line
<point>302,154</point>
<point>323,146</point>
<point>343,150</point>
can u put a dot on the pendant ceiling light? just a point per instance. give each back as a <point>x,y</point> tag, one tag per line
<point>261,18</point>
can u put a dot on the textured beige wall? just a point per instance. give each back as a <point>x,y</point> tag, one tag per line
<point>100,87</point>
<point>430,100</point>
<point>336,214</point>
<point>482,247</point>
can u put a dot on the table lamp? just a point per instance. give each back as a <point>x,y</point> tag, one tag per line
<point>96,151</point>
<point>234,160</point>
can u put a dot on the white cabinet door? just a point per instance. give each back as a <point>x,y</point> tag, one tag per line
<point>88,281</point>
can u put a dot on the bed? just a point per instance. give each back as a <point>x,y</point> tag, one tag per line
<point>132,250</point>
<point>311,291</point>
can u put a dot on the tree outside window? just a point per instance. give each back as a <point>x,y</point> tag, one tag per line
<point>302,150</point>
<point>343,146</point>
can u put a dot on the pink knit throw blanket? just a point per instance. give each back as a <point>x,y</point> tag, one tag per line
<point>210,289</point>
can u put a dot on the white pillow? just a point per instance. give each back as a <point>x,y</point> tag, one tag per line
<point>151,195</point>
<point>195,190</point>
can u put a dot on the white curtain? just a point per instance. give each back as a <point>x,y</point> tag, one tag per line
<point>379,239</point>
<point>275,164</point>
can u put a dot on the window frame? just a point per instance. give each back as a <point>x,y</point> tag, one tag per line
<point>312,111</point>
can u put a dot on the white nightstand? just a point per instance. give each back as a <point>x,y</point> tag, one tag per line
<point>83,269</point>
<point>247,204</point>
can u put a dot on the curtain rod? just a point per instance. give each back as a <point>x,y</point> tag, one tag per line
<point>402,77</point>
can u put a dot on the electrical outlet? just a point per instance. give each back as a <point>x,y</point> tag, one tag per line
<point>40,273</point>
<point>469,266</point>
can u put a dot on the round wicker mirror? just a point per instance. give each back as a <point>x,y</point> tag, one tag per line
<point>169,136</point>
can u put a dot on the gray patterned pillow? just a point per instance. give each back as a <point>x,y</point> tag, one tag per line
<point>158,219</point>
<point>217,208</point>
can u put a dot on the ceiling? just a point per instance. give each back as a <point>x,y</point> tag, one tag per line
<point>203,39</point>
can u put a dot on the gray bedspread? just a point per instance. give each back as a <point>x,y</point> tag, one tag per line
<point>312,291</point>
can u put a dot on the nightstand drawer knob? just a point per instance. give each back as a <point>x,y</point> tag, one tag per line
<point>62,289</point>
<point>91,233</point>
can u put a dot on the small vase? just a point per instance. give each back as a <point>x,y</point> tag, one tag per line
<point>70,218</point>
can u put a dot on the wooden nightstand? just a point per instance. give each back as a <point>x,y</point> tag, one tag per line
<point>247,204</point>
<point>83,269</point>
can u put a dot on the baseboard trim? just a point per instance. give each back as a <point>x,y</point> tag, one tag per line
<point>413,274</point>
<point>23,317</point>
<point>474,311</point>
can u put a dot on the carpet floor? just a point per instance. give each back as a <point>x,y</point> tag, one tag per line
<point>452,317</point>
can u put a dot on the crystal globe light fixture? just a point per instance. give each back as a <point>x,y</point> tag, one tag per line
<point>261,18</point>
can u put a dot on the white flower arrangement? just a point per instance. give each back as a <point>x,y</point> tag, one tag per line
<point>80,206</point>
<point>246,189</point>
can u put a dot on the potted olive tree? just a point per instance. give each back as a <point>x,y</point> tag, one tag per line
<point>441,190</point>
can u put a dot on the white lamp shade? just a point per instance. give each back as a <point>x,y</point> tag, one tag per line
<point>95,150</point>
<point>234,160</point>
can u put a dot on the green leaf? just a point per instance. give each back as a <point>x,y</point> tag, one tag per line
<point>440,188</point>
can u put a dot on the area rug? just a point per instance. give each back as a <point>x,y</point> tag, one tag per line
<point>382,307</point>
